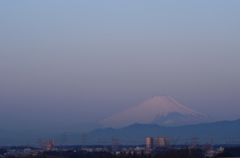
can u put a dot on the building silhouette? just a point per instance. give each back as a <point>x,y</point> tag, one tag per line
<point>157,142</point>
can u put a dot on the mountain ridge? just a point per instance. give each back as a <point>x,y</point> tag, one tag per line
<point>220,131</point>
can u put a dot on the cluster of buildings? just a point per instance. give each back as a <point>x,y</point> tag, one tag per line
<point>46,144</point>
<point>157,143</point>
<point>50,145</point>
<point>153,145</point>
<point>19,153</point>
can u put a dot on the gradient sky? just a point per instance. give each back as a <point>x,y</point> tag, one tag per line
<point>71,62</point>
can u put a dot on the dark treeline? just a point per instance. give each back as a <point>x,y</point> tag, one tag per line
<point>172,153</point>
<point>230,152</point>
<point>181,153</point>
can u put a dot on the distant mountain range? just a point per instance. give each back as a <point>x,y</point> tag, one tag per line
<point>221,132</point>
<point>161,110</point>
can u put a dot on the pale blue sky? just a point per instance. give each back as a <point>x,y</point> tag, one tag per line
<point>80,61</point>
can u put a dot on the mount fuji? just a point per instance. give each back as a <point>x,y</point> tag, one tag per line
<point>161,110</point>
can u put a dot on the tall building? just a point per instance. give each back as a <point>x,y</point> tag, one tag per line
<point>149,143</point>
<point>157,142</point>
<point>162,142</point>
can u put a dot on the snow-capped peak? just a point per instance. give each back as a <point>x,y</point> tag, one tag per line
<point>159,109</point>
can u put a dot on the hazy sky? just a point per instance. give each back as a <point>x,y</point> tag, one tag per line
<point>70,62</point>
